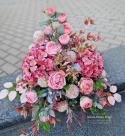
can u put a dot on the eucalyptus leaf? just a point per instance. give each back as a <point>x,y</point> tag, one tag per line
<point>42,23</point>
<point>57,14</point>
<point>41,114</point>
<point>49,99</point>
<point>45,113</point>
<point>60,30</point>
<point>36,109</point>
<point>51,113</point>
<point>99,106</point>
<point>82,98</point>
<point>42,95</point>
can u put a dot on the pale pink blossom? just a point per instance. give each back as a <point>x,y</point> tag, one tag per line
<point>51,10</point>
<point>117,97</point>
<point>23,98</point>
<point>86,85</point>
<point>52,48</point>
<point>62,106</point>
<point>3,93</point>
<point>86,103</point>
<point>31,96</point>
<point>62,18</point>
<point>67,28</point>
<point>103,74</point>
<point>56,80</point>
<point>12,95</point>
<point>113,89</point>
<point>70,56</point>
<point>39,37</point>
<point>64,39</point>
<point>73,92</point>
<point>111,100</point>
<point>48,30</point>
<point>42,81</point>
<point>8,84</point>
<point>44,119</point>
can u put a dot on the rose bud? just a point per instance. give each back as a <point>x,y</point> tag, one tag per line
<point>62,18</point>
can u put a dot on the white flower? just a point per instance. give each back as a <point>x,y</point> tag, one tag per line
<point>43,82</point>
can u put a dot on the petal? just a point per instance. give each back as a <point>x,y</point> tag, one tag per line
<point>12,95</point>
<point>3,93</point>
<point>8,84</point>
<point>117,97</point>
<point>111,100</point>
<point>23,98</point>
<point>113,89</point>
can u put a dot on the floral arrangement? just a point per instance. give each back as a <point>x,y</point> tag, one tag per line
<point>61,70</point>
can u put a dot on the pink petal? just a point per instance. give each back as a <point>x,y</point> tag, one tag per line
<point>23,98</point>
<point>111,100</point>
<point>12,95</point>
<point>117,97</point>
<point>8,84</point>
<point>3,93</point>
<point>113,89</point>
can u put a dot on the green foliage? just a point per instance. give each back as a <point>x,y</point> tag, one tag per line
<point>99,85</point>
<point>7,97</point>
<point>46,126</point>
<point>40,123</point>
<point>69,77</point>
<point>60,30</point>
<point>36,109</point>
<point>86,44</point>
<point>57,14</point>
<point>93,109</point>
<point>66,87</point>
<point>94,86</point>
<point>54,40</point>
<point>45,113</point>
<point>17,94</point>
<point>39,92</point>
<point>14,85</point>
<point>51,113</point>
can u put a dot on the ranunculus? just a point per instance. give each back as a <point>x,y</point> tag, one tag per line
<point>62,18</point>
<point>56,80</point>
<point>86,85</point>
<point>52,48</point>
<point>31,97</point>
<point>39,37</point>
<point>62,106</point>
<point>44,119</point>
<point>73,92</point>
<point>117,97</point>
<point>64,39</point>
<point>8,84</point>
<point>51,10</point>
<point>42,81</point>
<point>113,89</point>
<point>86,103</point>
<point>67,28</point>
<point>48,30</point>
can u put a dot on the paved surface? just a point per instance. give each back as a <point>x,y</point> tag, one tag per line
<point>19,20</point>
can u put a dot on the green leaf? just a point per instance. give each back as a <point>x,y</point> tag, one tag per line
<point>66,87</point>
<point>57,14</point>
<point>104,115</point>
<point>57,42</point>
<point>55,20</point>
<point>69,77</point>
<point>46,126</point>
<point>98,80</point>
<point>94,86</point>
<point>82,98</point>
<point>39,92</point>
<point>86,44</point>
<point>100,112</point>
<point>11,88</point>
<point>57,36</point>
<point>14,85</point>
<point>45,113</point>
<point>40,123</point>
<point>60,30</point>
<point>17,94</point>
<point>7,97</point>
<point>36,109</point>
<point>51,113</point>
<point>93,109</point>
<point>53,39</point>
<point>99,85</point>
<point>72,36</point>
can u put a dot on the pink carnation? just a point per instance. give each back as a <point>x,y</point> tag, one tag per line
<point>31,96</point>
<point>64,39</point>
<point>39,37</point>
<point>44,119</point>
<point>73,92</point>
<point>61,106</point>
<point>62,18</point>
<point>56,80</point>
<point>51,10</point>
<point>67,28</point>
<point>86,103</point>
<point>52,48</point>
<point>86,85</point>
<point>48,30</point>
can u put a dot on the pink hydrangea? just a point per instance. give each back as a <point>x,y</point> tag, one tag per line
<point>61,106</point>
<point>39,37</point>
<point>52,48</point>
<point>48,30</point>
<point>44,119</point>
<point>51,10</point>
<point>91,63</point>
<point>49,64</point>
<point>62,18</point>
<point>67,28</point>
<point>31,96</point>
<point>86,103</point>
<point>64,39</point>
<point>73,92</point>
<point>56,80</point>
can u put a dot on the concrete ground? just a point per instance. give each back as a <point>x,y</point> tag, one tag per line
<point>19,19</point>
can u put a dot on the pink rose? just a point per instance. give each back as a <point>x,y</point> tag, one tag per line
<point>64,39</point>
<point>52,48</point>
<point>48,30</point>
<point>86,85</point>
<point>51,10</point>
<point>67,28</point>
<point>31,96</point>
<point>62,18</point>
<point>39,37</point>
<point>44,119</point>
<point>56,80</point>
<point>86,103</point>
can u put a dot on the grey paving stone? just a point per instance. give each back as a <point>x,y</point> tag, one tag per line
<point>3,54</point>
<point>11,59</point>
<point>13,51</point>
<point>4,47</point>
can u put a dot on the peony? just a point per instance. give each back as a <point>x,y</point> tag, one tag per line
<point>86,103</point>
<point>56,80</point>
<point>8,84</point>
<point>52,48</point>
<point>51,10</point>
<point>67,28</point>
<point>64,39</point>
<point>62,18</point>
<point>73,92</point>
<point>39,37</point>
<point>62,106</point>
<point>31,96</point>
<point>48,30</point>
<point>42,81</point>
<point>86,85</point>
<point>113,89</point>
<point>44,119</point>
